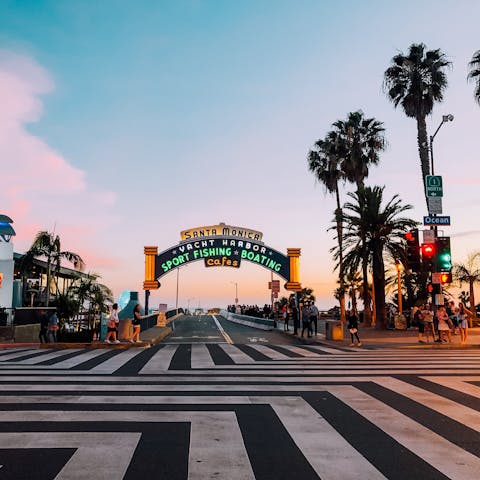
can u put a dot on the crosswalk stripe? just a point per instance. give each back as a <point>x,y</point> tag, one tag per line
<point>269,352</point>
<point>201,357</point>
<point>426,444</point>
<point>17,354</point>
<point>160,361</point>
<point>304,352</point>
<point>449,408</point>
<point>235,354</point>
<point>326,349</point>
<point>458,383</point>
<point>114,363</point>
<point>79,359</point>
<point>47,356</point>
<point>331,456</point>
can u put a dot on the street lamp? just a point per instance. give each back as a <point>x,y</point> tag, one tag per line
<point>236,292</point>
<point>445,119</point>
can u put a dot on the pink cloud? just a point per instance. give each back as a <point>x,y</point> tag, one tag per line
<point>41,189</point>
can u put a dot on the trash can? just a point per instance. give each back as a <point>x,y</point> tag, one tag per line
<point>333,330</point>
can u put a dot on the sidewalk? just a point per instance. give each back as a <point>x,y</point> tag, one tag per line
<point>371,337</point>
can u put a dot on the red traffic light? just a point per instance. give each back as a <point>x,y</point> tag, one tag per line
<point>409,236</point>
<point>428,250</point>
<point>430,288</point>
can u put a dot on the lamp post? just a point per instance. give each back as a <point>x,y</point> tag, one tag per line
<point>236,292</point>
<point>445,119</point>
<point>399,288</point>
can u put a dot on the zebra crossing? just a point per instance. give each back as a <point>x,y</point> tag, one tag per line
<point>227,411</point>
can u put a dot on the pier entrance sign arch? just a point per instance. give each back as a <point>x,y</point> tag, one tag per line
<point>221,246</point>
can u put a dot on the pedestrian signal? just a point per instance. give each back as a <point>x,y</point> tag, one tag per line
<point>446,277</point>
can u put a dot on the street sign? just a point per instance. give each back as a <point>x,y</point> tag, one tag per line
<point>428,236</point>
<point>445,220</point>
<point>434,186</point>
<point>434,205</point>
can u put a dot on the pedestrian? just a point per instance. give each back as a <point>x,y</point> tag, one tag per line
<point>305,318</point>
<point>314,314</point>
<point>53,327</point>
<point>427,313</point>
<point>352,325</point>
<point>295,315</point>
<point>443,326</point>
<point>136,324</point>
<point>43,334</point>
<point>419,320</point>
<point>286,316</point>
<point>112,325</point>
<point>462,315</point>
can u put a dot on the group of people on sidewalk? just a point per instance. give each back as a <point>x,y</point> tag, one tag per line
<point>113,323</point>
<point>49,326</point>
<point>439,326</point>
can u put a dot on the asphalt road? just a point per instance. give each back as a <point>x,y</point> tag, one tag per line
<point>215,329</point>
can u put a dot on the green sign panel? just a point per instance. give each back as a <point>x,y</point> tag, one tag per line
<point>434,186</point>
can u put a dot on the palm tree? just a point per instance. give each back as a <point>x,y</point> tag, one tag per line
<point>324,162</point>
<point>416,81</point>
<point>48,245</point>
<point>474,74</point>
<point>372,230</point>
<point>359,142</point>
<point>353,285</point>
<point>468,272</point>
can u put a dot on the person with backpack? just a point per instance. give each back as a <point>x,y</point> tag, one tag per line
<point>112,325</point>
<point>53,327</point>
<point>314,314</point>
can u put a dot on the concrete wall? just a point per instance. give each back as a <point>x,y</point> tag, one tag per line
<point>260,323</point>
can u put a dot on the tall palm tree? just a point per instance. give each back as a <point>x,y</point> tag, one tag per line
<point>468,272</point>
<point>474,74</point>
<point>383,231</point>
<point>416,81</point>
<point>324,163</point>
<point>359,142</point>
<point>48,245</point>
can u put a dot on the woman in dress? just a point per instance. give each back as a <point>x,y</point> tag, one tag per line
<point>462,317</point>
<point>443,326</point>
<point>112,325</point>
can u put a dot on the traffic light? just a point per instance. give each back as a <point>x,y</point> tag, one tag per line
<point>412,250</point>
<point>428,255</point>
<point>446,277</point>
<point>443,259</point>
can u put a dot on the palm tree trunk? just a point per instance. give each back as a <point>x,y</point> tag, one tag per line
<point>423,150</point>
<point>471,304</point>
<point>378,269</point>
<point>367,310</point>
<point>338,216</point>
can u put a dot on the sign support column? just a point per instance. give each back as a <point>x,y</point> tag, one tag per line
<point>294,282</point>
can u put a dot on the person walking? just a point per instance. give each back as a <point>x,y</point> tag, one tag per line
<point>43,333</point>
<point>53,327</point>
<point>136,324</point>
<point>305,318</point>
<point>295,315</point>
<point>112,325</point>
<point>462,316</point>
<point>427,314</point>
<point>314,314</point>
<point>352,325</point>
<point>286,316</point>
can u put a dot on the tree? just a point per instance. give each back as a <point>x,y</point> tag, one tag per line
<point>359,142</point>
<point>474,74</point>
<point>468,272</point>
<point>48,245</point>
<point>353,285</point>
<point>324,163</point>
<point>372,230</point>
<point>416,81</point>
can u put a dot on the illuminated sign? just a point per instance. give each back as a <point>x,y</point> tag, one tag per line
<point>221,230</point>
<point>223,262</point>
<point>226,248</point>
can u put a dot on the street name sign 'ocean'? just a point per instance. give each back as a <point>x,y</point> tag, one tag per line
<point>434,186</point>
<point>428,221</point>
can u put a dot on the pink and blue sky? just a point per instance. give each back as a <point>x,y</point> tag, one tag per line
<point>123,123</point>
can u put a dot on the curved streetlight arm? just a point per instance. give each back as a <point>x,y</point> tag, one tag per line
<point>445,118</point>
